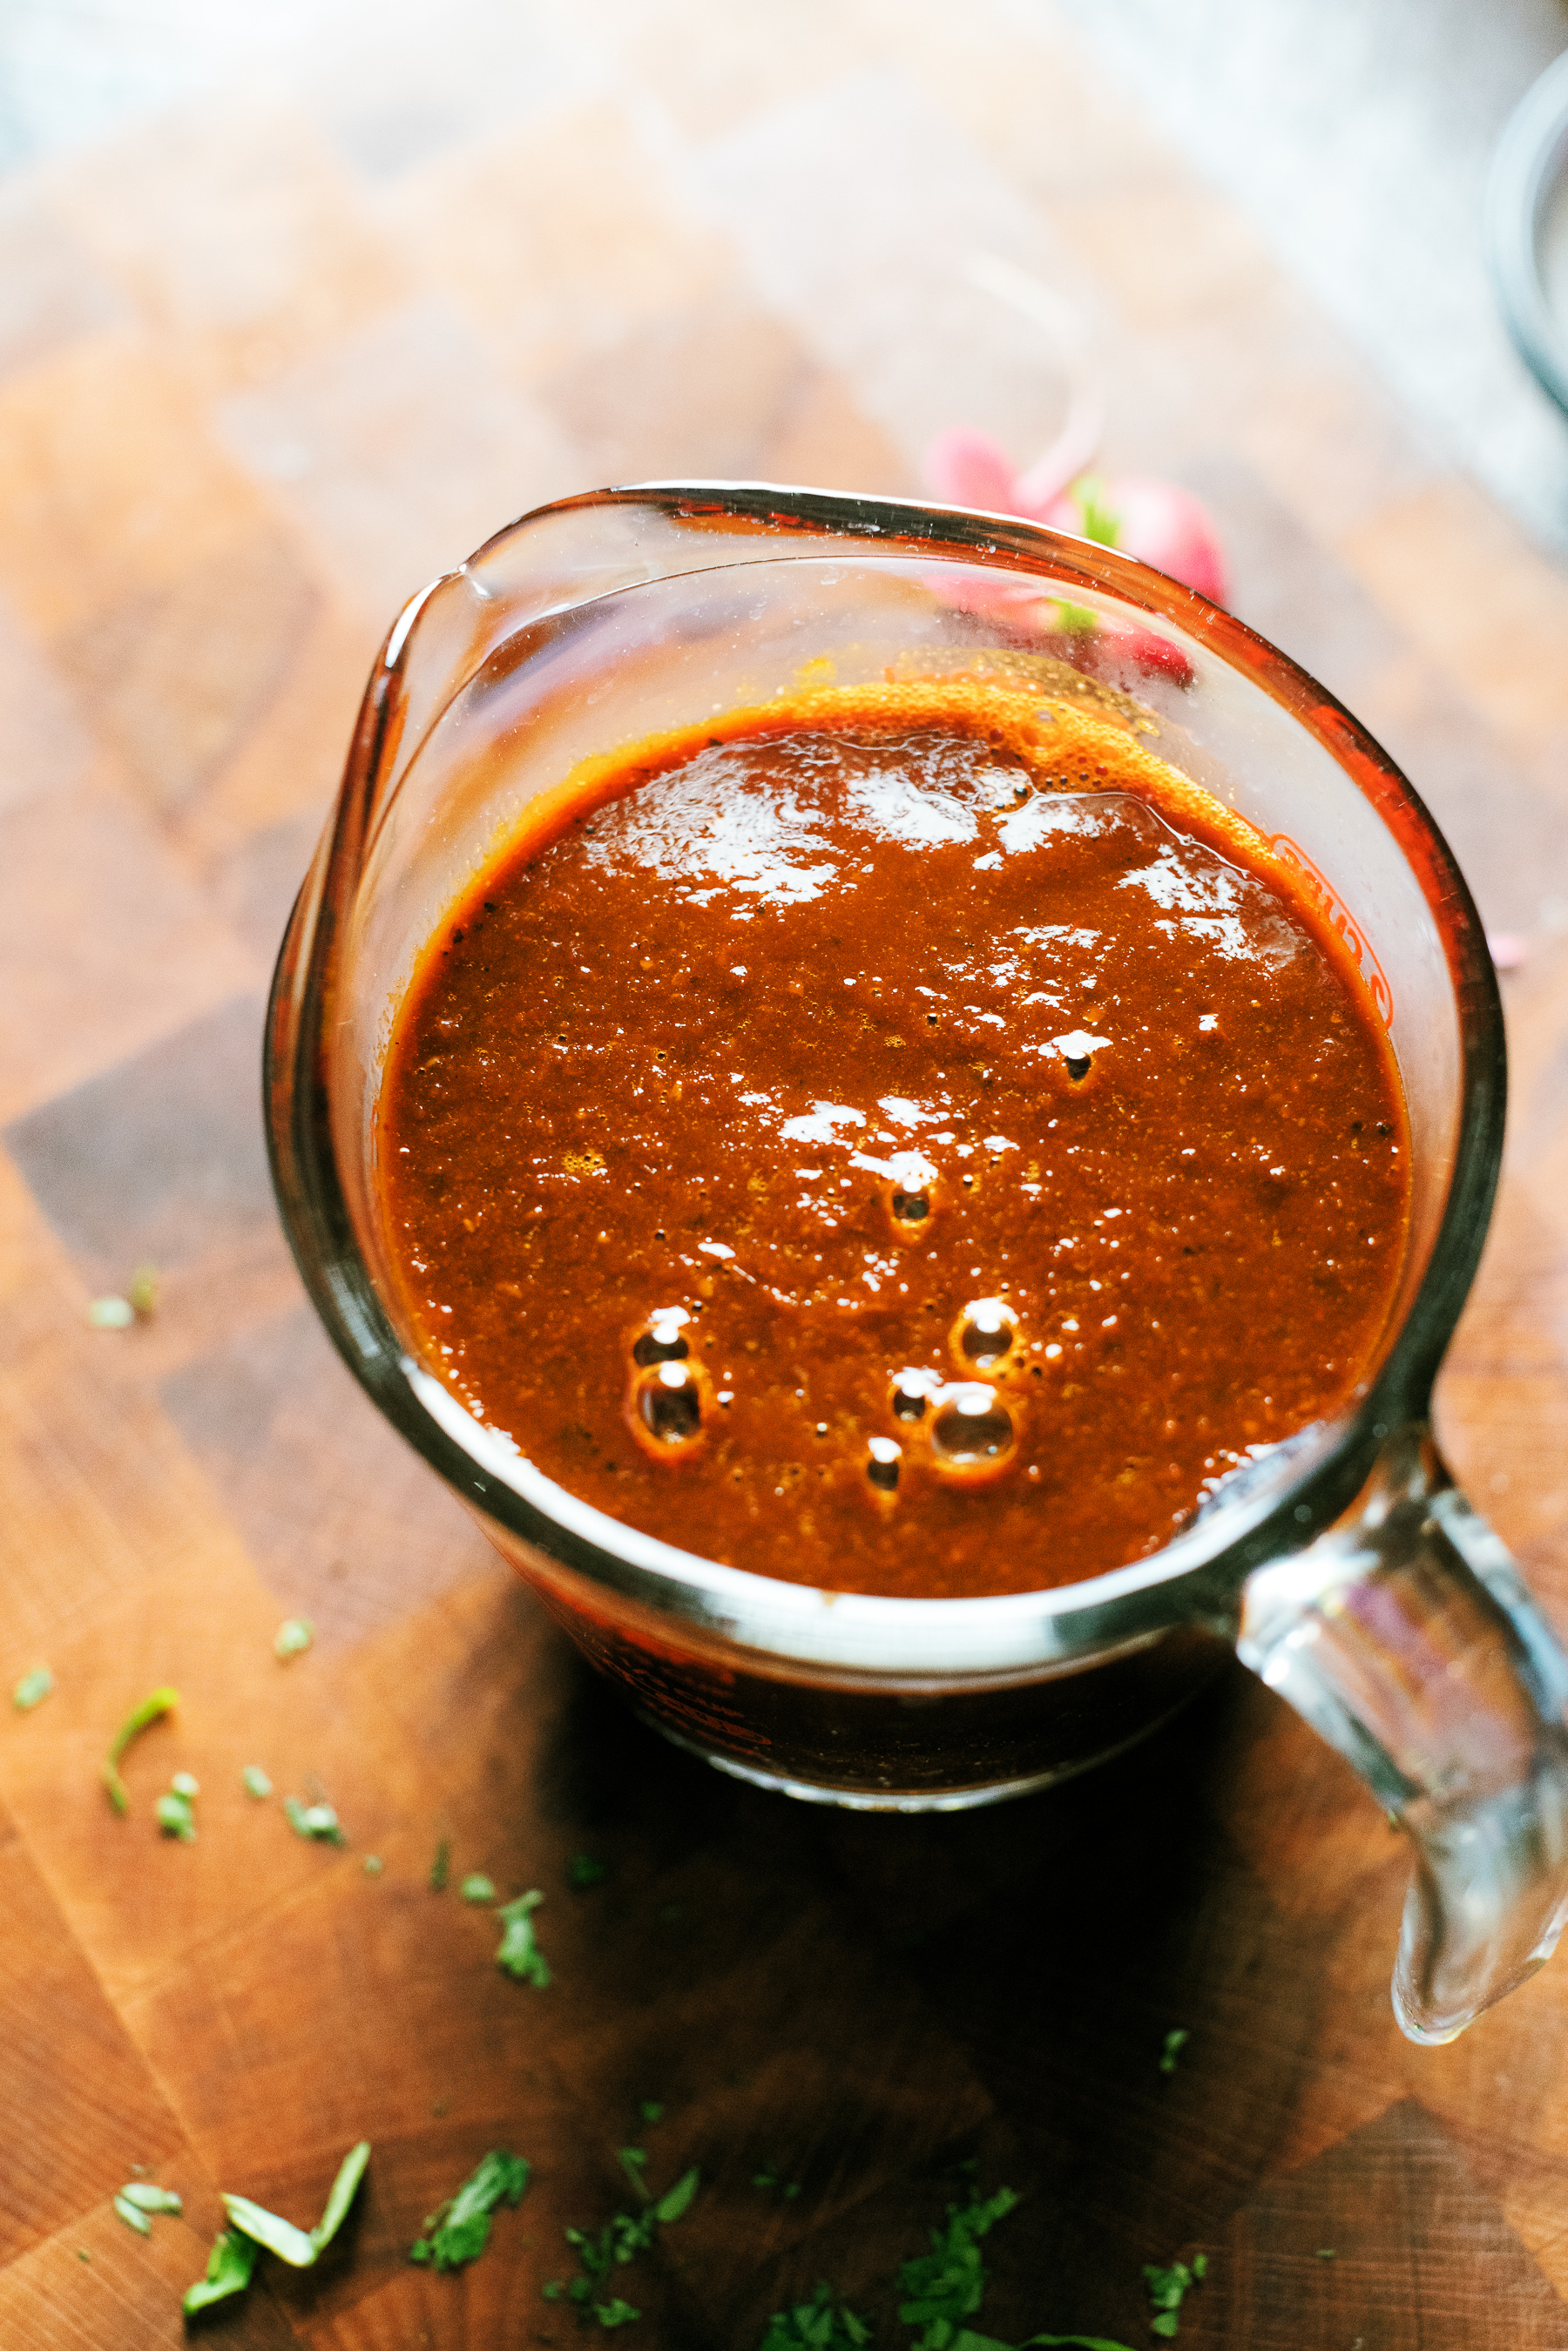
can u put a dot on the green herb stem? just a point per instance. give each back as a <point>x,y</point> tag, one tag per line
<point>152,1708</point>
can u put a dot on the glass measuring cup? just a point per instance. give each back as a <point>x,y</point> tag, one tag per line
<point>1342,1565</point>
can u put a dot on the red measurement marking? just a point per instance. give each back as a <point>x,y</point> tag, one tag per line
<point>1321,891</point>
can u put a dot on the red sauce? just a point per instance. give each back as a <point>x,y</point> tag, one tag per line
<point>909,1141</point>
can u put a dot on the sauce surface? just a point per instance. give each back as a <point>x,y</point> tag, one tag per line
<point>892,1148</point>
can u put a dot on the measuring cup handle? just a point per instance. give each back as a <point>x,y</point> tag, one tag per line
<point>1405,1635</point>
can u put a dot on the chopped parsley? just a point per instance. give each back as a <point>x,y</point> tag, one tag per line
<point>477,1888</point>
<point>824,2322</point>
<point>945,2285</point>
<point>148,2198</point>
<point>439,1866</point>
<point>292,1638</point>
<point>256,1782</point>
<point>651,2111</point>
<point>772,2176</point>
<point>1101,520</point>
<point>299,2247</point>
<point>584,1870</point>
<point>229,2267</point>
<point>317,1822</point>
<point>518,1954</point>
<point>176,1811</point>
<point>618,2242</point>
<point>152,1708</point>
<point>458,2230</point>
<point>1327,2253</point>
<point>1168,2289</point>
<point>32,1689</point>
<point>1175,2043</point>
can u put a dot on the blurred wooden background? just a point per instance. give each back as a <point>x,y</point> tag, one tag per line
<point>268,359</point>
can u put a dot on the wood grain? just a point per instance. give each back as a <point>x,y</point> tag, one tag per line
<point>265,363</point>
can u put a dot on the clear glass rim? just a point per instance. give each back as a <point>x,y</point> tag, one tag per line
<point>1303,1487</point>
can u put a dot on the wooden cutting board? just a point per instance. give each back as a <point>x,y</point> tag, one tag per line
<point>261,373</point>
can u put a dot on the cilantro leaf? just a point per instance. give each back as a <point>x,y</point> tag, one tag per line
<point>229,2267</point>
<point>651,2111</point>
<point>148,2198</point>
<point>459,2230</point>
<point>279,2236</point>
<point>1168,2289</point>
<point>620,2241</point>
<point>946,2285</point>
<point>318,1823</point>
<point>32,1689</point>
<point>518,1954</point>
<point>292,1638</point>
<point>350,2171</point>
<point>157,1704</point>
<point>478,1888</point>
<point>131,2217</point>
<point>1175,2043</point>
<point>1101,520</point>
<point>676,2202</point>
<point>823,2323</point>
<point>174,1812</point>
<point>299,2247</point>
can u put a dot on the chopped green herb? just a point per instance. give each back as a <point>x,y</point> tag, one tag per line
<point>229,2267</point>
<point>292,1638</point>
<point>1327,2253</point>
<point>1076,619</point>
<point>142,1293</point>
<point>620,2241</point>
<point>1175,2043</point>
<point>651,2111</point>
<point>765,2179</point>
<point>458,2230</point>
<point>584,1870</point>
<point>111,1314</point>
<point>318,1822</point>
<point>1168,2289</point>
<point>82,2253</point>
<point>824,2322</point>
<point>131,2217</point>
<point>1101,520</point>
<point>518,1954</point>
<point>256,1782</point>
<point>438,1867</point>
<point>374,1865</point>
<point>945,2285</point>
<point>157,1704</point>
<point>148,2198</point>
<point>478,1888</point>
<point>340,2194</point>
<point>633,2161</point>
<point>176,1812</point>
<point>32,1689</point>
<point>299,2247</point>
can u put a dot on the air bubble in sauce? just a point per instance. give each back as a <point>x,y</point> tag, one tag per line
<point>972,1431</point>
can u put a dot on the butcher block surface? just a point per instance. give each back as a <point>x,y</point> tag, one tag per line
<point>267,363</point>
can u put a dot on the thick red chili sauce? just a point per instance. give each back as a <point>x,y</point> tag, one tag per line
<point>906,1139</point>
